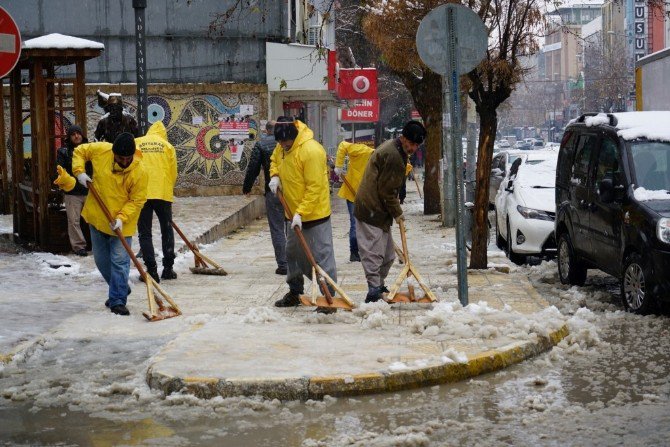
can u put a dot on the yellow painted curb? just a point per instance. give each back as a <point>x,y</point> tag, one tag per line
<point>303,388</point>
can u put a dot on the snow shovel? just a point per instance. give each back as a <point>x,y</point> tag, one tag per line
<point>201,267</point>
<point>157,309</point>
<point>319,277</point>
<point>409,270</point>
<point>398,251</point>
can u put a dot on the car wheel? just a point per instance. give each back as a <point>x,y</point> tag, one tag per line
<point>636,287</point>
<point>500,242</point>
<point>570,269</point>
<point>514,257</point>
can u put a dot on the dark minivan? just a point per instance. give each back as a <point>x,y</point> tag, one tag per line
<point>613,203</point>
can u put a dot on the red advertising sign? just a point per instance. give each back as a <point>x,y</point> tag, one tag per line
<point>365,111</point>
<point>10,43</point>
<point>357,83</point>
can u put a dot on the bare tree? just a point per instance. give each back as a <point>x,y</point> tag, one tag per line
<point>607,75</point>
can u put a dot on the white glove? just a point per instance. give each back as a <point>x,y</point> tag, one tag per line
<point>297,221</point>
<point>84,179</point>
<point>117,225</point>
<point>274,184</point>
<point>399,219</point>
<point>339,172</point>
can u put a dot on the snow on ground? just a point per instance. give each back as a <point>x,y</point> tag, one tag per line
<point>607,380</point>
<point>6,223</point>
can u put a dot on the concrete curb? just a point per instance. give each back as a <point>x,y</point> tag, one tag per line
<point>248,213</point>
<point>304,388</point>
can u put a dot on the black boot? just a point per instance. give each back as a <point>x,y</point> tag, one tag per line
<point>288,300</point>
<point>153,272</point>
<point>120,310</point>
<point>168,273</point>
<point>354,257</point>
<point>374,294</point>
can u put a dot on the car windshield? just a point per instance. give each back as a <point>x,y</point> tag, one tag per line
<point>538,173</point>
<point>651,160</point>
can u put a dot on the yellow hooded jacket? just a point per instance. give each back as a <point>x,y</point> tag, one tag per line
<point>304,175</point>
<point>160,161</point>
<point>123,191</point>
<point>359,154</point>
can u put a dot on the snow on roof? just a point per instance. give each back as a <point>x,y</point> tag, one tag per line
<point>632,125</point>
<point>649,125</point>
<point>61,41</point>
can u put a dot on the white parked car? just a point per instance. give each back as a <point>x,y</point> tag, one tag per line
<point>525,207</point>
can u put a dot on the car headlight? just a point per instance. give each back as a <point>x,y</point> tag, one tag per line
<point>530,213</point>
<point>663,230</point>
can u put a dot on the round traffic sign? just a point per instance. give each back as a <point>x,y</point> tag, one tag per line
<point>432,38</point>
<point>10,43</point>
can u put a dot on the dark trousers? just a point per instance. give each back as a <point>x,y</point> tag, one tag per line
<point>163,210</point>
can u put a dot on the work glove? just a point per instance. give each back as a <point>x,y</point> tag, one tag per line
<point>339,172</point>
<point>274,184</point>
<point>399,219</point>
<point>297,221</point>
<point>84,179</point>
<point>117,225</point>
<point>64,180</point>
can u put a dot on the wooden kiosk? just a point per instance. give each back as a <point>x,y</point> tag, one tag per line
<point>53,98</point>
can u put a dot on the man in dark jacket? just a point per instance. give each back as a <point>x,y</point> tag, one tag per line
<point>377,205</point>
<point>115,121</point>
<point>74,200</point>
<point>260,157</point>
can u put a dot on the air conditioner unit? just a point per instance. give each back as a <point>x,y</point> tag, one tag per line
<point>314,35</point>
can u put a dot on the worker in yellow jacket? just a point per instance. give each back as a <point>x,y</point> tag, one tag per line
<point>298,167</point>
<point>160,161</point>
<point>121,181</point>
<point>358,155</point>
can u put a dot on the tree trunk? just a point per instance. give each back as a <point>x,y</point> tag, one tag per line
<point>487,134</point>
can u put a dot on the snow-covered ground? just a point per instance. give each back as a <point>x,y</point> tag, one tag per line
<point>82,381</point>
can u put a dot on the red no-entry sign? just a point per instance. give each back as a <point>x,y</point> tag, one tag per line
<point>10,43</point>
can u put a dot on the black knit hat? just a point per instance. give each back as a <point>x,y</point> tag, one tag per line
<point>74,128</point>
<point>285,129</point>
<point>124,145</point>
<point>414,132</point>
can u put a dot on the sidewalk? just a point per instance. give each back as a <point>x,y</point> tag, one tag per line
<point>245,346</point>
<point>231,340</point>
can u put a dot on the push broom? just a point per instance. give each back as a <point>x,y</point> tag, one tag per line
<point>201,261</point>
<point>319,277</point>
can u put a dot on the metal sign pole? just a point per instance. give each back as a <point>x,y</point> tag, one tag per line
<point>141,62</point>
<point>457,153</point>
<point>448,183</point>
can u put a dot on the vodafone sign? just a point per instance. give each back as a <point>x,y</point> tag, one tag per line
<point>365,111</point>
<point>10,43</point>
<point>356,83</point>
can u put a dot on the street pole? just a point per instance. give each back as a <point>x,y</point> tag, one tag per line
<point>448,182</point>
<point>457,152</point>
<point>140,59</point>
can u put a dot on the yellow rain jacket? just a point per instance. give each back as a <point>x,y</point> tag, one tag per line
<point>304,175</point>
<point>359,154</point>
<point>160,161</point>
<point>123,191</point>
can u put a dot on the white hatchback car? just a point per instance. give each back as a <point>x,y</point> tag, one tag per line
<point>525,207</point>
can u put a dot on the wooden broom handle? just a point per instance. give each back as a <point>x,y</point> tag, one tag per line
<point>112,221</point>
<point>403,238</point>
<point>305,248</point>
